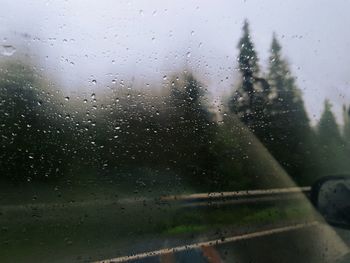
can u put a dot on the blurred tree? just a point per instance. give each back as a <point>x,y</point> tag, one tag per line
<point>333,158</point>
<point>328,129</point>
<point>190,127</point>
<point>290,134</point>
<point>173,131</point>
<point>250,101</point>
<point>32,140</point>
<point>346,132</point>
<point>346,127</point>
<point>128,129</point>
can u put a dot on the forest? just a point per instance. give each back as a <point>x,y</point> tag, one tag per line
<point>173,131</point>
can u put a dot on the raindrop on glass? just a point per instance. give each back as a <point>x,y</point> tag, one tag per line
<point>7,50</point>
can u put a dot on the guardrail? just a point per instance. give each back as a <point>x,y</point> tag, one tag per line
<point>237,197</point>
<point>191,200</point>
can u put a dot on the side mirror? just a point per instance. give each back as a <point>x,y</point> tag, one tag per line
<point>331,197</point>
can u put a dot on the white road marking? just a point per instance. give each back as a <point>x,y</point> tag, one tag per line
<point>209,243</point>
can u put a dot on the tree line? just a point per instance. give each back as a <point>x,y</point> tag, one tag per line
<point>46,136</point>
<point>271,105</point>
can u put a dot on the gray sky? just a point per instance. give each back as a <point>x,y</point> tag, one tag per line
<point>106,40</point>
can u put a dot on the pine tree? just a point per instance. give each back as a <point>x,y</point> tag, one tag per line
<point>32,137</point>
<point>290,135</point>
<point>346,127</point>
<point>346,131</point>
<point>189,124</point>
<point>328,130</point>
<point>250,99</point>
<point>333,158</point>
<point>285,96</point>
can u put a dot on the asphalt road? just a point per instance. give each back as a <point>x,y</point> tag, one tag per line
<point>303,242</point>
<point>109,231</point>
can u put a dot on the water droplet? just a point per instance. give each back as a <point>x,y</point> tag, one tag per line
<point>7,50</point>
<point>188,54</point>
<point>66,98</point>
<point>94,81</point>
<point>93,95</point>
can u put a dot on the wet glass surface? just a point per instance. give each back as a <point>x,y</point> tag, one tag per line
<point>171,131</point>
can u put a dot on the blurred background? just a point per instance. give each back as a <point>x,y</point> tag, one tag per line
<point>105,100</point>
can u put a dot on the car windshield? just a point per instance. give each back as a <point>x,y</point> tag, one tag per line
<point>171,131</point>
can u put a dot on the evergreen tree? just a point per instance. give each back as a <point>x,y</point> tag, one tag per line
<point>346,127</point>
<point>250,100</point>
<point>328,130</point>
<point>285,96</point>
<point>32,136</point>
<point>333,158</point>
<point>346,130</point>
<point>290,135</point>
<point>189,125</point>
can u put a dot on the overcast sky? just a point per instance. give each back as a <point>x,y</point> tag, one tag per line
<point>106,40</point>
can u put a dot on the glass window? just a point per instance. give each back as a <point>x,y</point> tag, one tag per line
<point>183,131</point>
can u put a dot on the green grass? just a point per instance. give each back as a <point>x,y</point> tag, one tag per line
<point>182,229</point>
<point>192,222</point>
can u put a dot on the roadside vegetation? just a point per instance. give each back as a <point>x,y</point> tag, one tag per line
<point>50,137</point>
